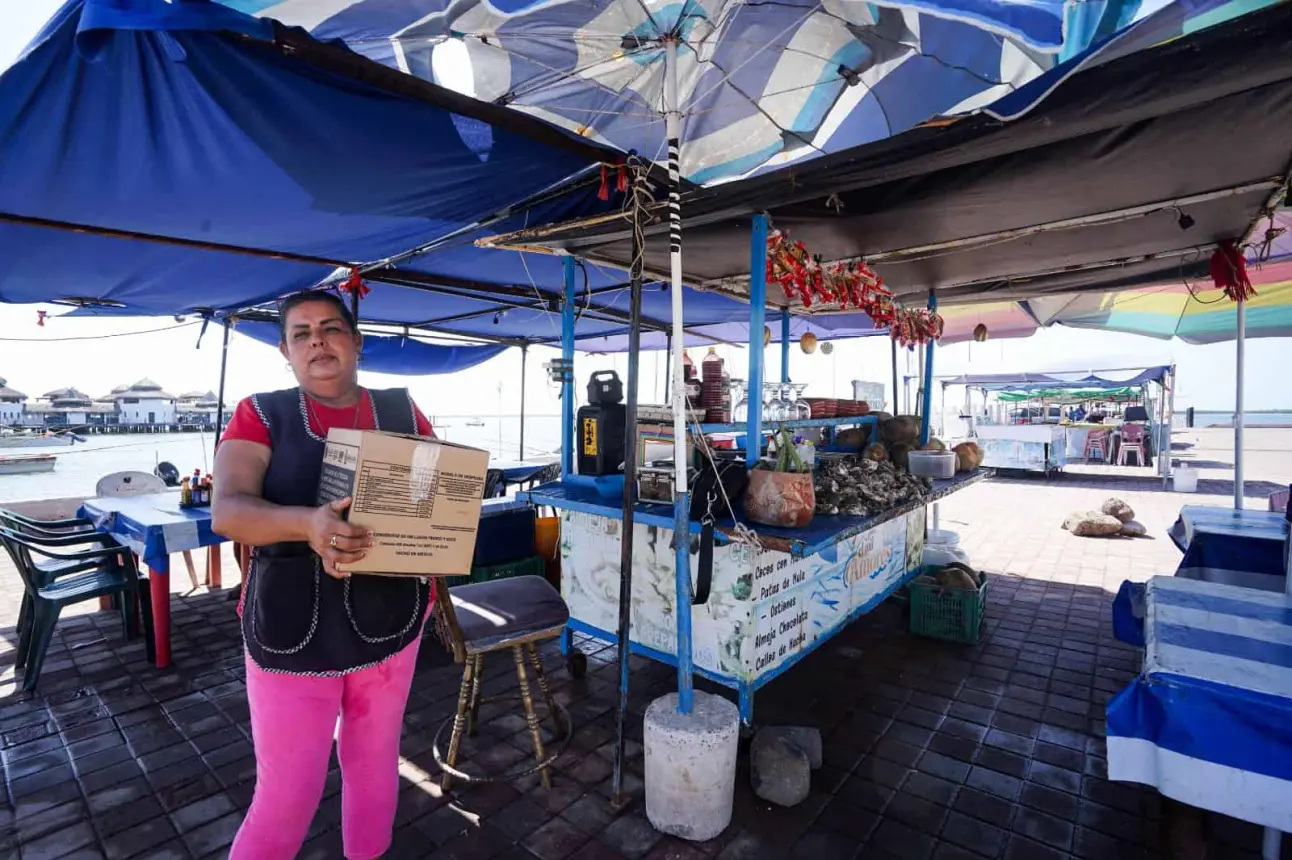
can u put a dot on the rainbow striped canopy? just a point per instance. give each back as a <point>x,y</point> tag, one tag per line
<point>1193,312</point>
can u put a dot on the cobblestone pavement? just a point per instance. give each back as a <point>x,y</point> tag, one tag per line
<point>931,749</point>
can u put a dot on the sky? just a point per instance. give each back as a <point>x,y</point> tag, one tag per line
<point>96,355</point>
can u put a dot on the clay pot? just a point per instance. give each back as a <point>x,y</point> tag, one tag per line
<point>783,499</point>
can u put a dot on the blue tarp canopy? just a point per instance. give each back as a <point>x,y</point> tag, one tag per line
<point>233,142</point>
<point>403,356</point>
<point>150,117</point>
<point>1094,379</point>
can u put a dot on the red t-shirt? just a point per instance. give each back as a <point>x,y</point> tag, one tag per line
<point>247,426</point>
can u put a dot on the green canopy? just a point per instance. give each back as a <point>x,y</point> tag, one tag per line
<point>1071,395</point>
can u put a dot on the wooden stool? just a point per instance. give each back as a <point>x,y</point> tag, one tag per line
<point>485,617</point>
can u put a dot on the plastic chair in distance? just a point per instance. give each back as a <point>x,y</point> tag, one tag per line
<point>1097,445</point>
<point>493,484</point>
<point>120,484</point>
<point>1133,442</point>
<point>111,572</point>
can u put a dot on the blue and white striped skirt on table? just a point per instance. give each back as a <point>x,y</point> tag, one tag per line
<point>1209,721</point>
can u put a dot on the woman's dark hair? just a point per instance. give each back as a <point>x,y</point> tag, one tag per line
<point>297,299</point>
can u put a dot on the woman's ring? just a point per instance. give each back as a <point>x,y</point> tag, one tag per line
<point>332,542</point>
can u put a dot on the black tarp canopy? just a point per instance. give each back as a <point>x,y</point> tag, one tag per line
<point>1092,190</point>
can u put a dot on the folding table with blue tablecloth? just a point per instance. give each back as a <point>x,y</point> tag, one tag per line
<point>153,526</point>
<point>1234,547</point>
<point>1209,720</point>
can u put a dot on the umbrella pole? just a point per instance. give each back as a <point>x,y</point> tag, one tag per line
<point>224,365</point>
<point>1240,349</point>
<point>668,364</point>
<point>524,353</point>
<point>681,496</point>
<point>624,632</point>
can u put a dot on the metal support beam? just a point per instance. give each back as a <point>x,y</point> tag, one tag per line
<point>224,366</point>
<point>567,387</point>
<point>785,345</point>
<point>524,354</point>
<point>1240,347</point>
<point>892,407</point>
<point>1108,217</point>
<point>623,632</point>
<point>757,321</point>
<point>926,406</point>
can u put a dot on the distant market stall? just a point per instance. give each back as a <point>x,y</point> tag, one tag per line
<point>1048,441</point>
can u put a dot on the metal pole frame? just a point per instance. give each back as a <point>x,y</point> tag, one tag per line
<point>567,386</point>
<point>1240,355</point>
<point>224,364</point>
<point>624,631</point>
<point>524,353</point>
<point>757,321</point>
<point>927,403</point>
<point>893,407</point>
<point>785,344</point>
<point>681,495</point>
<point>1170,424</point>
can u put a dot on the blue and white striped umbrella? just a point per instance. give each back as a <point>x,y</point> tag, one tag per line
<point>758,83</point>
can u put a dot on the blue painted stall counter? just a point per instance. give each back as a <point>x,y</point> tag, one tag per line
<point>768,608</point>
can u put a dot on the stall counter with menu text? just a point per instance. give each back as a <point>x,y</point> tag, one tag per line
<point>1029,447</point>
<point>767,608</point>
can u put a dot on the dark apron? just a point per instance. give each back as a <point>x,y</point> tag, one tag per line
<point>295,618</point>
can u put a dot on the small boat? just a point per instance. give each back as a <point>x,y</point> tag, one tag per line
<point>36,440</point>
<point>475,422</point>
<point>27,465</point>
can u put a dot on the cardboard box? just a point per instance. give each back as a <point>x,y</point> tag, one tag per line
<point>421,498</point>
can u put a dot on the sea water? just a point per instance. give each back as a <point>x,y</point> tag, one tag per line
<point>80,466</point>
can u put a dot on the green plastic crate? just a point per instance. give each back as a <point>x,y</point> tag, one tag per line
<point>951,614</point>
<point>530,566</point>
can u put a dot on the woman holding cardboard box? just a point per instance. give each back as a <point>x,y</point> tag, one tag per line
<point>320,645</point>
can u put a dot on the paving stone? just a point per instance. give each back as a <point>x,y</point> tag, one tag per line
<point>945,767</point>
<point>1043,828</point>
<point>555,840</point>
<point>631,836</point>
<point>979,836</point>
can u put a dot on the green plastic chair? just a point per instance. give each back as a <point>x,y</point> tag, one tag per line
<point>51,569</point>
<point>60,579</point>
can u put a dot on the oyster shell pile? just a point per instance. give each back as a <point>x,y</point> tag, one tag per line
<point>859,487</point>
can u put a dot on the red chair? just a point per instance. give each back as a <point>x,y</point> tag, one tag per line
<point>1133,437</point>
<point>1097,445</point>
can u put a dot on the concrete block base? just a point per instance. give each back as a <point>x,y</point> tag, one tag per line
<point>691,765</point>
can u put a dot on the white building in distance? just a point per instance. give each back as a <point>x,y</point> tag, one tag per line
<point>67,407</point>
<point>198,409</point>
<point>143,404</point>
<point>12,404</point>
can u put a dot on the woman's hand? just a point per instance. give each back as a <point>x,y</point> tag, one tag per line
<point>335,540</point>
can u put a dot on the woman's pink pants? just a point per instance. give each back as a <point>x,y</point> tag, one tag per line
<point>293,722</point>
